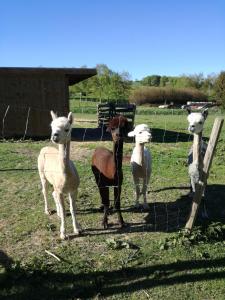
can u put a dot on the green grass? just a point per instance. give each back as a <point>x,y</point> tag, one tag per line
<point>112,264</point>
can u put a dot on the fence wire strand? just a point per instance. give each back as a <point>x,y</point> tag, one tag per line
<point>155,177</point>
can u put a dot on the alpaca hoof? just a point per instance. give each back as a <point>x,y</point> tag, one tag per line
<point>79,227</point>
<point>78,230</point>
<point>145,206</point>
<point>137,205</point>
<point>48,212</point>
<point>105,224</point>
<point>63,236</point>
<point>204,215</point>
<point>123,225</point>
<point>101,208</point>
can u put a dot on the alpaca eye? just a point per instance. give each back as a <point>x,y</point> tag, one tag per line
<point>200,122</point>
<point>66,130</point>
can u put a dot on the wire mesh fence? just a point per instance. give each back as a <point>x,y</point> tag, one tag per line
<point>168,199</point>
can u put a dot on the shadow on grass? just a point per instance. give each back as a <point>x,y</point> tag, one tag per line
<point>18,283</point>
<point>167,216</point>
<point>158,135</point>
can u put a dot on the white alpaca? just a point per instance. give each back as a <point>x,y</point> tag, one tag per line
<point>195,163</point>
<point>141,161</point>
<point>56,168</point>
<point>196,122</point>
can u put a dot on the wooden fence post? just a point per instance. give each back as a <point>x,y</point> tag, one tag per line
<point>200,186</point>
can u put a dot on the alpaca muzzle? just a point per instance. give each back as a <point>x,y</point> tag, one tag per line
<point>55,138</point>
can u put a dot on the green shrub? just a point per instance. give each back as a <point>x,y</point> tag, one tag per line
<point>220,89</point>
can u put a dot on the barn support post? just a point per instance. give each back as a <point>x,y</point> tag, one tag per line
<point>200,186</point>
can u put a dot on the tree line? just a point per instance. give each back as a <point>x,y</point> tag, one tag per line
<point>109,85</point>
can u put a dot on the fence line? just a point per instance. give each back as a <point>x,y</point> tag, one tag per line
<point>160,160</point>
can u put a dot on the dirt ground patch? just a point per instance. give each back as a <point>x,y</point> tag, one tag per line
<point>79,153</point>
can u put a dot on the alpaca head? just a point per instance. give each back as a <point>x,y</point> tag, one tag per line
<point>141,133</point>
<point>61,128</point>
<point>196,120</point>
<point>118,127</point>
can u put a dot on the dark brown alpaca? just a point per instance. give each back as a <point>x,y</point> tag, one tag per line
<point>107,167</point>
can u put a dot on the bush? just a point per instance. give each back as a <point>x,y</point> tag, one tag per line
<point>156,96</point>
<point>220,89</point>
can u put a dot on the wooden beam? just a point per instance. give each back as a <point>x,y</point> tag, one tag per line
<point>218,123</point>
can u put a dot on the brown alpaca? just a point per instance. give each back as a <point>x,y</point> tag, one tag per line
<point>107,168</point>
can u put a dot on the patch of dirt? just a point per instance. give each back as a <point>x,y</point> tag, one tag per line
<point>3,224</point>
<point>78,153</point>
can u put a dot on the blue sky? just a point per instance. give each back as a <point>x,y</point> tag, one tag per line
<point>166,37</point>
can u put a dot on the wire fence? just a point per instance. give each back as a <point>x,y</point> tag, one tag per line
<point>167,192</point>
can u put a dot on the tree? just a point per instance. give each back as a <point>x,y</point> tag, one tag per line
<point>208,86</point>
<point>106,85</point>
<point>153,80</point>
<point>164,81</point>
<point>220,88</point>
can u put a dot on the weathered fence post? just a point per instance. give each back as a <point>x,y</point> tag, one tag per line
<point>200,186</point>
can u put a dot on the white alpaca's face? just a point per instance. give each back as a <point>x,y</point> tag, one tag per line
<point>196,122</point>
<point>141,133</point>
<point>61,128</point>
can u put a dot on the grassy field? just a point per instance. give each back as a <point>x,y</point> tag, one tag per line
<point>150,259</point>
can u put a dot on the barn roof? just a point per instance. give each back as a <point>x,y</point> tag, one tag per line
<point>74,75</point>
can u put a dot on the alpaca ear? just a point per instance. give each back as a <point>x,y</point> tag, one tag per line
<point>131,134</point>
<point>54,116</point>
<point>205,113</point>
<point>70,117</point>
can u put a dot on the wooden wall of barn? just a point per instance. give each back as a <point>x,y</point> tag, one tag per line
<point>28,98</point>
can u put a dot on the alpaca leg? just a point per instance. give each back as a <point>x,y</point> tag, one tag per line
<point>56,203</point>
<point>72,198</point>
<point>204,208</point>
<point>62,216</point>
<point>204,212</point>
<point>117,193</point>
<point>137,191</point>
<point>192,187</point>
<point>104,193</point>
<point>144,192</point>
<point>44,184</point>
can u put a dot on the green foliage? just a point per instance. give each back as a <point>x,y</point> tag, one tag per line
<point>220,88</point>
<point>153,80</point>
<point>207,233</point>
<point>106,85</point>
<point>109,85</point>
<point>117,244</point>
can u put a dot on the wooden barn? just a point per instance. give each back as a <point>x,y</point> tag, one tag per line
<point>28,94</point>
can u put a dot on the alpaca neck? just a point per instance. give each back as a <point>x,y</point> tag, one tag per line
<point>139,154</point>
<point>64,155</point>
<point>118,153</point>
<point>197,147</point>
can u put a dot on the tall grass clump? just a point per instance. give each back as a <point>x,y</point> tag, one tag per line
<point>155,96</point>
